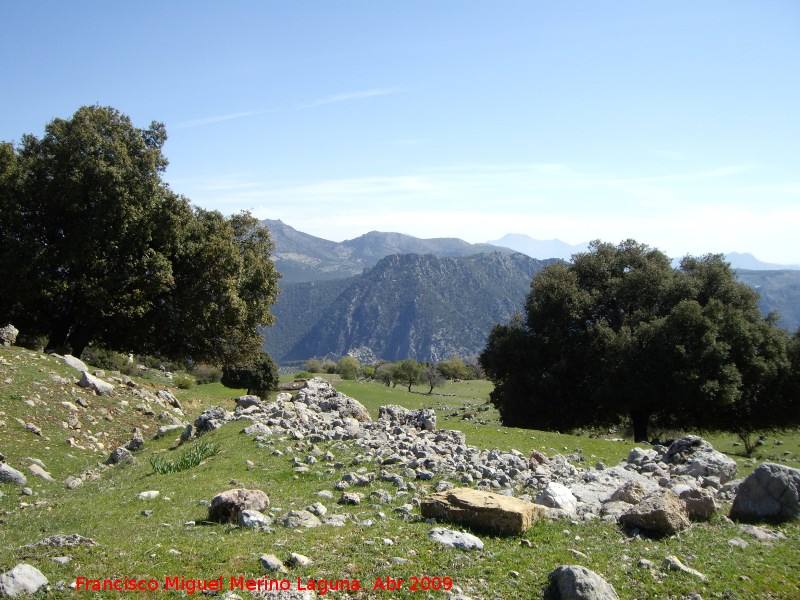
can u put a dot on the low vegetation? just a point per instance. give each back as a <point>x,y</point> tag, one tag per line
<point>168,536</point>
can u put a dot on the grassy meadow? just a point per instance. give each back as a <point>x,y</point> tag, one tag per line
<point>174,540</point>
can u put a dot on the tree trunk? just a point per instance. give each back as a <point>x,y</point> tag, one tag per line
<point>79,338</point>
<point>640,419</point>
<point>57,342</point>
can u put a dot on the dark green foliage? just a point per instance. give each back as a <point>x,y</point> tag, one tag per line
<point>191,457</point>
<point>204,373</point>
<point>432,377</point>
<point>94,246</point>
<point>348,367</point>
<point>408,372</point>
<point>258,376</point>
<point>453,368</point>
<point>621,334</point>
<point>100,357</point>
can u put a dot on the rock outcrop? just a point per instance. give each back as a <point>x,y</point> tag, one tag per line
<point>227,506</point>
<point>494,513</point>
<point>770,493</point>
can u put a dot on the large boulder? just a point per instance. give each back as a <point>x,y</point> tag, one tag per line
<point>557,495</point>
<point>74,362</point>
<point>8,335</point>
<point>227,506</point>
<point>22,580</point>
<point>770,493</point>
<point>573,582</point>
<point>210,419</point>
<point>659,514</point>
<point>97,385</point>
<point>9,474</point>
<point>694,456</point>
<point>495,513</point>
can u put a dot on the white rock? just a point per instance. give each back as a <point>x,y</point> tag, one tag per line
<point>22,580</point>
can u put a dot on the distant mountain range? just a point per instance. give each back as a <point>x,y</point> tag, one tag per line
<point>394,296</point>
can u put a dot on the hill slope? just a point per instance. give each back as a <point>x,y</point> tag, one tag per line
<point>411,305</point>
<point>303,257</point>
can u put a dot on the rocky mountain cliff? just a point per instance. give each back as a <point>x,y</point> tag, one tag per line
<point>408,305</point>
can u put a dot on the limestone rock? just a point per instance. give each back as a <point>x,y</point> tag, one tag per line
<point>661,513</point>
<point>227,506</point>
<point>136,442</point>
<point>8,335</point>
<point>700,503</point>
<point>97,385</point>
<point>75,363</point>
<point>211,418</point>
<point>120,456</point>
<point>631,492</point>
<point>770,493</point>
<point>169,398</point>
<point>455,539</point>
<point>573,582</point>
<point>557,495</point>
<point>22,580</point>
<point>272,563</point>
<point>694,456</point>
<point>496,513</point>
<point>671,563</point>
<point>9,474</point>
<point>40,472</point>
<point>300,518</point>
<point>320,392</point>
<point>423,418</point>
<point>253,519</point>
<point>247,401</point>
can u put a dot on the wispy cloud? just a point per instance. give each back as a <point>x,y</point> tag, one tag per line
<point>216,119</point>
<point>347,96</point>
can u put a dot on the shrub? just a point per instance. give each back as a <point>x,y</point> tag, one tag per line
<point>313,366</point>
<point>183,381</point>
<point>103,358</point>
<point>191,457</point>
<point>204,373</point>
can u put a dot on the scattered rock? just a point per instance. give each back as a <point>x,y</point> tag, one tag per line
<point>353,498</point>
<point>496,513</point>
<point>75,363</point>
<point>149,495</point>
<point>300,518</point>
<point>136,442</point>
<point>671,563</point>
<point>9,474</point>
<point>272,563</point>
<point>631,492</point>
<point>225,507</point>
<point>299,560</point>
<point>700,503</point>
<point>22,580</point>
<point>120,456</point>
<point>97,385</point>
<point>455,539</point>
<point>423,418</point>
<point>253,519</point>
<point>61,540</point>
<point>247,401</point>
<point>73,482</point>
<point>573,582</point>
<point>660,513</point>
<point>761,533</point>
<point>770,493</point>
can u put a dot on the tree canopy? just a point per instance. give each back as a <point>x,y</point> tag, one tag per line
<point>619,333</point>
<point>94,246</point>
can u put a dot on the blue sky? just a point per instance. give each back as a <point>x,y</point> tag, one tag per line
<point>675,123</point>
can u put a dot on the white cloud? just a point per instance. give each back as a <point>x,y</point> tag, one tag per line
<point>347,96</point>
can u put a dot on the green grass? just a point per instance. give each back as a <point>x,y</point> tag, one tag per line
<point>191,457</point>
<point>130,544</point>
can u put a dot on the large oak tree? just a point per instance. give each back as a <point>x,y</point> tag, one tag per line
<point>94,246</point>
<point>621,334</point>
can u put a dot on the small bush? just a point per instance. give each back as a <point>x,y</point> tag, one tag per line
<point>110,360</point>
<point>303,375</point>
<point>189,458</point>
<point>204,373</point>
<point>183,381</point>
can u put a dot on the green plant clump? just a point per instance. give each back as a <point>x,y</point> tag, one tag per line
<point>189,458</point>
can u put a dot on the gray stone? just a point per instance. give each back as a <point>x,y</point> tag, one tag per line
<point>97,385</point>
<point>353,498</point>
<point>120,456</point>
<point>671,563</point>
<point>9,474</point>
<point>631,492</point>
<point>8,335</point>
<point>700,503</point>
<point>299,560</point>
<point>40,472</point>
<point>455,539</point>
<point>227,506</point>
<point>557,495</point>
<point>694,456</point>
<point>770,493</point>
<point>136,442</point>
<point>253,519</point>
<point>573,582</point>
<point>211,418</point>
<point>169,398</point>
<point>661,513</point>
<point>166,430</point>
<point>22,580</point>
<point>300,518</point>
<point>75,363</point>
<point>247,401</point>
<point>272,563</point>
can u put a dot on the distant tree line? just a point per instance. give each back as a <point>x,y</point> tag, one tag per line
<point>408,372</point>
<point>619,334</point>
<point>95,248</point>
